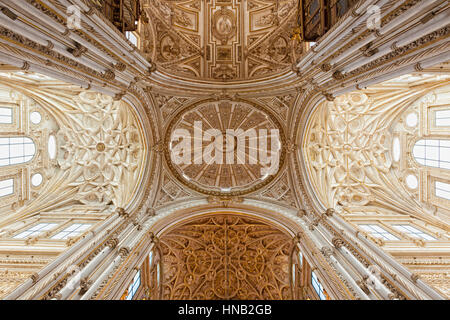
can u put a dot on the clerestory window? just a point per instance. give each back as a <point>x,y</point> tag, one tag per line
<point>433,153</point>
<point>16,150</point>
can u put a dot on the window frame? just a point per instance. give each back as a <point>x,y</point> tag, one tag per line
<point>12,186</point>
<point>38,232</point>
<point>68,233</point>
<point>24,155</point>
<point>317,286</point>
<point>429,148</point>
<point>134,286</point>
<point>399,227</point>
<point>436,188</point>
<point>2,116</point>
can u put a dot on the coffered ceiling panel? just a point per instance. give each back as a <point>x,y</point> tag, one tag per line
<point>220,39</point>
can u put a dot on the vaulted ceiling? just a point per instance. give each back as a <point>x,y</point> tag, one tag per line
<point>222,40</point>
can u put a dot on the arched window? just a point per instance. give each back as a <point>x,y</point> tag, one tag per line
<point>433,153</point>
<point>134,286</point>
<point>16,150</point>
<point>318,287</point>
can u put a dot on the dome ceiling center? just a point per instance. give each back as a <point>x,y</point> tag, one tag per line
<point>224,147</point>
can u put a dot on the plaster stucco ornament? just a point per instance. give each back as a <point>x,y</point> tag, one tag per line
<point>221,40</point>
<point>225,147</point>
<point>349,153</point>
<point>101,149</point>
<point>226,257</point>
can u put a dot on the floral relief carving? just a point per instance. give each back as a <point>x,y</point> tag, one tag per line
<point>218,50</point>
<point>101,150</point>
<point>349,154</point>
<point>226,257</point>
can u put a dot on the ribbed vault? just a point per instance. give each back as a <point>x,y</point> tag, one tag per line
<point>226,256</point>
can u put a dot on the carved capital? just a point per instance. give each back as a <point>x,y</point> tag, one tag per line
<point>301,213</point>
<point>297,238</point>
<point>119,95</point>
<point>337,242</point>
<point>325,67</point>
<point>124,251</point>
<point>78,50</point>
<point>109,75</point>
<point>326,251</point>
<point>154,239</point>
<point>369,53</point>
<point>362,284</point>
<point>290,146</point>
<point>151,69</point>
<point>112,243</point>
<point>120,67</point>
<point>415,277</point>
<point>121,212</point>
<point>84,285</point>
<point>316,221</point>
<point>330,212</point>
<point>328,96</point>
<point>338,75</point>
<point>35,277</point>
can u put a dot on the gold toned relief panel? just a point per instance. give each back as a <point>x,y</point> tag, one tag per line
<point>214,40</point>
<point>185,19</point>
<point>268,14</point>
<point>226,257</point>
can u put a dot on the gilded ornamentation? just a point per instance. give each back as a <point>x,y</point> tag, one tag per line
<point>109,151</point>
<point>219,50</point>
<point>225,257</point>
